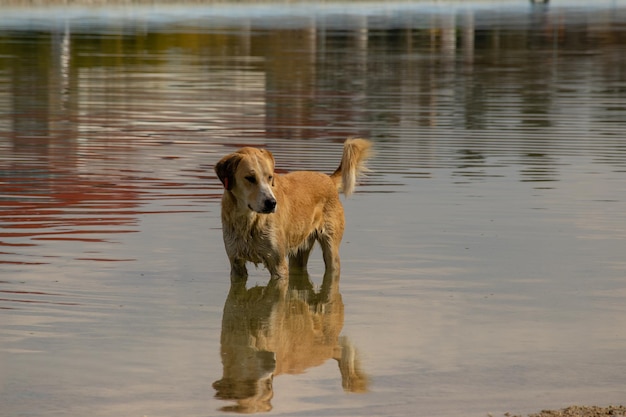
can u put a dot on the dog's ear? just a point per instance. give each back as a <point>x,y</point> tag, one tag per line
<point>225,170</point>
<point>271,158</point>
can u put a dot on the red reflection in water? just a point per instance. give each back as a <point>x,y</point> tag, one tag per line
<point>38,302</point>
<point>104,260</point>
<point>47,197</point>
<point>48,202</point>
<point>56,201</point>
<point>21,263</point>
<point>47,295</point>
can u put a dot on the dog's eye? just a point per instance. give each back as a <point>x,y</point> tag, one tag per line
<point>251,179</point>
<point>270,178</point>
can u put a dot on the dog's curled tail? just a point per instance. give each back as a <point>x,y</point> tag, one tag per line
<point>355,152</point>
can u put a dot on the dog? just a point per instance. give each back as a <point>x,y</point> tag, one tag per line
<point>267,217</point>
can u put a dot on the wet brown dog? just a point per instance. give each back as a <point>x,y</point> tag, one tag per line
<point>268,217</point>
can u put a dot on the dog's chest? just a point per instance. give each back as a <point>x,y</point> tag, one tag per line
<point>253,244</point>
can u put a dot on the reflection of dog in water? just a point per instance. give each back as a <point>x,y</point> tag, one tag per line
<point>281,329</point>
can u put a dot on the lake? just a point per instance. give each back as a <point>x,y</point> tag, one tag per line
<point>483,264</point>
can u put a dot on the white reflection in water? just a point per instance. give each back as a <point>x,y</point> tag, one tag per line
<point>482,266</point>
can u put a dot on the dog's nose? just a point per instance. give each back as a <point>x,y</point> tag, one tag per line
<point>269,205</point>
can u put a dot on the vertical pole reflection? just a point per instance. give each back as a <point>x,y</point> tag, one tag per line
<point>41,90</point>
<point>30,81</point>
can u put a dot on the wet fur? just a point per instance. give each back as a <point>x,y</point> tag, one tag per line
<point>267,217</point>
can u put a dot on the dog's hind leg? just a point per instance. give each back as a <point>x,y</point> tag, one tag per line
<point>330,236</point>
<point>299,260</point>
<point>330,250</point>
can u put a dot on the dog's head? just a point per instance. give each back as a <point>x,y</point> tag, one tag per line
<point>248,379</point>
<point>249,175</point>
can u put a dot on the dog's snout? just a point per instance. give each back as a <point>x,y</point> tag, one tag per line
<point>269,205</point>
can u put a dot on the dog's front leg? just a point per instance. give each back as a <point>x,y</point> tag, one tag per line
<point>238,270</point>
<point>279,268</point>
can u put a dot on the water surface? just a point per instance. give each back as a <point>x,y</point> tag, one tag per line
<point>483,263</point>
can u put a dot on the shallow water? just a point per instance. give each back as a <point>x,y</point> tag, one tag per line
<point>483,263</point>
